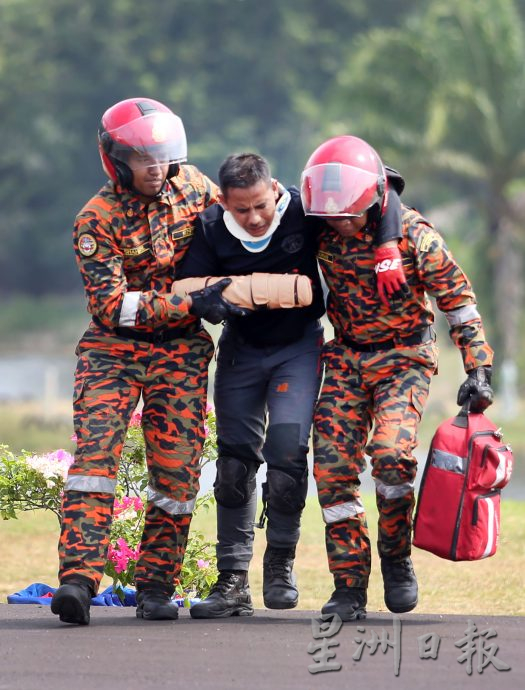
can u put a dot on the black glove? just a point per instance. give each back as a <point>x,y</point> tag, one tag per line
<point>209,303</point>
<point>477,389</point>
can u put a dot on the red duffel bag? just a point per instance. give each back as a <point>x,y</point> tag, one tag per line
<point>458,508</point>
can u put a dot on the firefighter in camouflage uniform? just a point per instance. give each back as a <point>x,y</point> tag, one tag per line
<point>378,367</point>
<point>143,341</point>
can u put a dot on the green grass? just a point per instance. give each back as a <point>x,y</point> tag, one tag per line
<point>26,426</point>
<point>493,586</point>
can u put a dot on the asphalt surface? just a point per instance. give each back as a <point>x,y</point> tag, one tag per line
<point>273,649</point>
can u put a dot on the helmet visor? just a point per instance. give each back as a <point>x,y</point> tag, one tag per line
<point>156,139</point>
<point>335,189</point>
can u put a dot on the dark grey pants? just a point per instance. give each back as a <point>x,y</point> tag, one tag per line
<point>264,402</point>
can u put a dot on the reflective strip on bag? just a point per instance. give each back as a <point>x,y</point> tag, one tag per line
<point>491,532</point>
<point>501,470</point>
<point>90,484</point>
<point>343,511</point>
<point>448,461</point>
<point>389,491</point>
<point>169,505</point>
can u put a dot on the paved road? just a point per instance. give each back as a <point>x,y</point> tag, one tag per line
<point>271,650</point>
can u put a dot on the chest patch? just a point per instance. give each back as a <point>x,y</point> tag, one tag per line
<point>134,251</point>
<point>293,243</point>
<point>180,234</point>
<point>326,257</point>
<point>87,244</point>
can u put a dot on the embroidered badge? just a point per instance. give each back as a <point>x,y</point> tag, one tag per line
<point>324,256</point>
<point>87,244</point>
<point>134,251</point>
<point>426,242</point>
<point>180,234</point>
<point>293,243</point>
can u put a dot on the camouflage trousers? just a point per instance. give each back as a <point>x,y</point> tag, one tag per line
<point>112,374</point>
<point>379,395</point>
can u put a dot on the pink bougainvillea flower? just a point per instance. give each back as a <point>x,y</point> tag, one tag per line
<point>209,409</point>
<point>121,554</point>
<point>136,419</point>
<point>52,465</point>
<point>202,564</point>
<point>127,507</point>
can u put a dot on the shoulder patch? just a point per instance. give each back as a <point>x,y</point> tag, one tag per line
<point>87,244</point>
<point>426,241</point>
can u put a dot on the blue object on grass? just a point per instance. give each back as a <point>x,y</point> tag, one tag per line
<point>38,593</point>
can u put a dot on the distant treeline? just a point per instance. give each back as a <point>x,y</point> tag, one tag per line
<point>435,85</point>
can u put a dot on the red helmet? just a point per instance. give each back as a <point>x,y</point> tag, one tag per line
<point>144,126</point>
<point>343,177</point>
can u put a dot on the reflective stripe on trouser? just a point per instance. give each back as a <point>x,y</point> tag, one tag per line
<point>386,391</point>
<point>111,375</point>
<point>255,386</point>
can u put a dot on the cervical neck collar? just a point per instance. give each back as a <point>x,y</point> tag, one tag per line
<point>260,243</point>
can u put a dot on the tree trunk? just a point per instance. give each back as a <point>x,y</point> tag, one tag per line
<point>508,300</point>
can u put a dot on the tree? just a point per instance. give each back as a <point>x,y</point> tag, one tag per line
<point>242,74</point>
<point>444,93</point>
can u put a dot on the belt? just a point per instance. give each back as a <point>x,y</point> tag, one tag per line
<point>417,338</point>
<point>156,337</point>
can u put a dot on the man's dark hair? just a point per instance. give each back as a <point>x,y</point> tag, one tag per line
<point>243,170</point>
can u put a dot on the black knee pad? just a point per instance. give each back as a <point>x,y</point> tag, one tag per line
<point>235,482</point>
<point>284,492</point>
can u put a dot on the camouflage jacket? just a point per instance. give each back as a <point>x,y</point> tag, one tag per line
<point>354,307</point>
<point>128,252</point>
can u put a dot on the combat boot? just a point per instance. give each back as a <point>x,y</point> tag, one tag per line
<point>279,583</point>
<point>229,596</point>
<point>155,604</point>
<point>400,584</point>
<point>348,602</point>
<point>71,602</point>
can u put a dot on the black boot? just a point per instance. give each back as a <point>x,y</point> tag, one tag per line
<point>72,600</point>
<point>279,584</point>
<point>156,604</point>
<point>400,584</point>
<point>348,602</point>
<point>229,596</point>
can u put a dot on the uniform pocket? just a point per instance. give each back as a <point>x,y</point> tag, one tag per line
<point>80,379</point>
<point>417,399</point>
<point>485,525</point>
<point>492,465</point>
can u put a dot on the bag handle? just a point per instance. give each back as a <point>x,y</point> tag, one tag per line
<point>461,419</point>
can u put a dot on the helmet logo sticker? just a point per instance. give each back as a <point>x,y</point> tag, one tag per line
<point>159,132</point>
<point>87,244</point>
<point>331,206</point>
